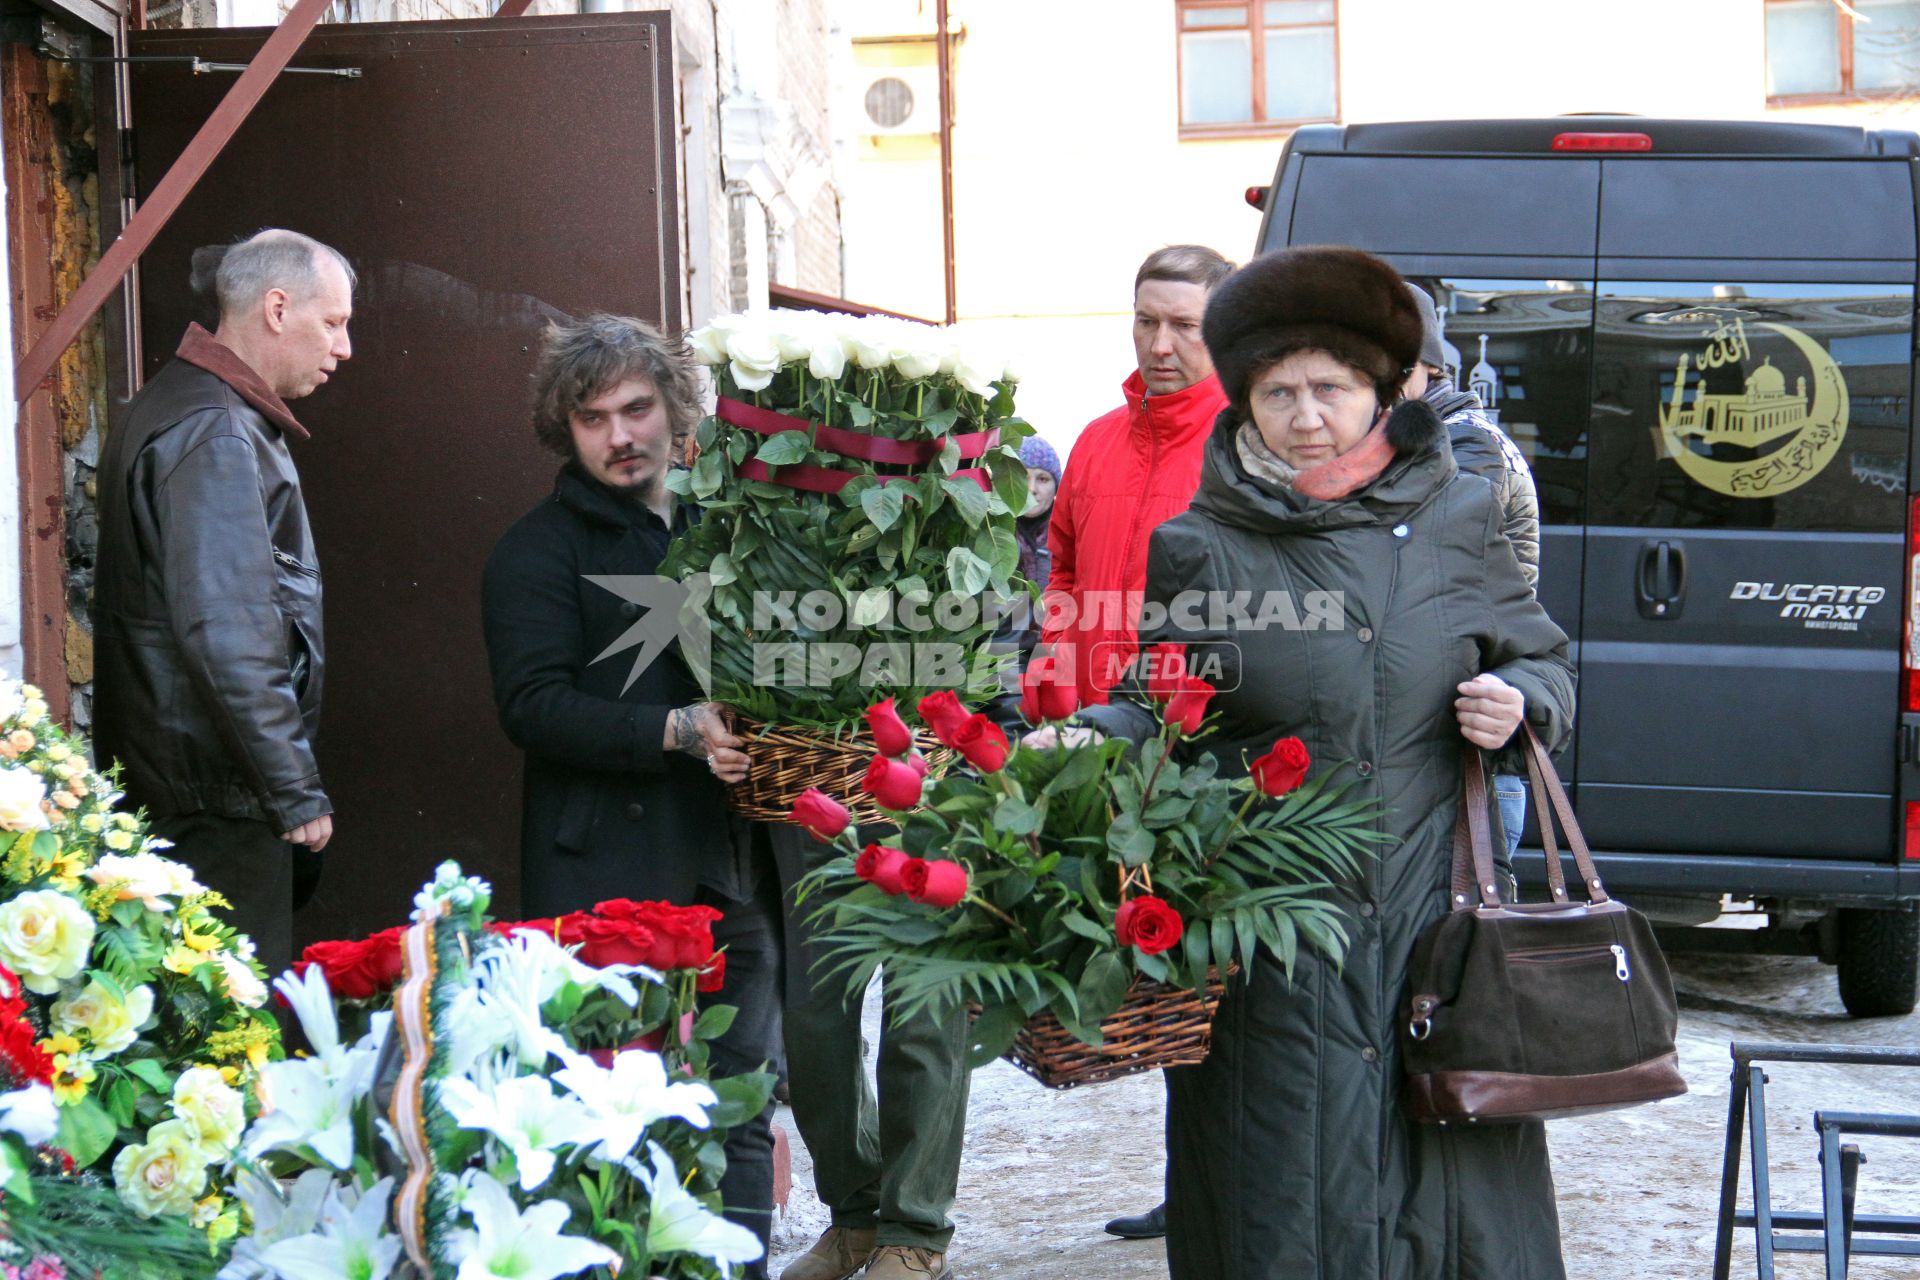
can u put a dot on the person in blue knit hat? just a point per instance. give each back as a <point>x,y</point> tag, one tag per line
<point>1030,529</point>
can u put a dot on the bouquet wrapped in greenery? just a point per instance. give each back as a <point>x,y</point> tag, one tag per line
<point>477,1129</point>
<point>1057,880</point>
<point>145,1008</point>
<point>856,474</point>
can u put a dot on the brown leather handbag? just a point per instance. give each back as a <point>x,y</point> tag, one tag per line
<point>1537,1010</point>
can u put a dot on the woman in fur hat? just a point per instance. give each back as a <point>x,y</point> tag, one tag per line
<point>1289,1152</point>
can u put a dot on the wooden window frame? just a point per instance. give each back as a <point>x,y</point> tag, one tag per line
<point>1843,35</point>
<point>1256,27</point>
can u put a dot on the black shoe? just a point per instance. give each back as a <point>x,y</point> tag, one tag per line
<point>1150,1225</point>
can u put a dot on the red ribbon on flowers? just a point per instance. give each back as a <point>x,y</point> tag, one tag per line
<point>801,475</point>
<point>851,444</point>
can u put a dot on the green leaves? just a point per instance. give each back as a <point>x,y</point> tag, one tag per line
<point>1102,987</point>
<point>967,572</point>
<point>784,448</point>
<point>86,1131</point>
<point>883,505</point>
<point>708,475</point>
<point>968,498</point>
<point>1131,842</point>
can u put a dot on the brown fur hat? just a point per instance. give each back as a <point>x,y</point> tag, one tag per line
<point>1345,302</point>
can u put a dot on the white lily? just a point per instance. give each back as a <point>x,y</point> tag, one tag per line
<point>510,990</point>
<point>628,1097</point>
<point>558,966</point>
<point>312,1106</point>
<point>508,1244</point>
<point>678,1223</point>
<point>352,1242</point>
<point>277,1215</point>
<point>526,1116</point>
<point>312,1003</point>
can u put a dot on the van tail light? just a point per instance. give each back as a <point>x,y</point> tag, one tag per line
<point>1602,142</point>
<point>1257,197</point>
<point>1910,655</point>
<point>1912,847</point>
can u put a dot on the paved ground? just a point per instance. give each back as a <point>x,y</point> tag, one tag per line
<point>1638,1188</point>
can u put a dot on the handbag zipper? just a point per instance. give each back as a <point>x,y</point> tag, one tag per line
<point>1570,955</point>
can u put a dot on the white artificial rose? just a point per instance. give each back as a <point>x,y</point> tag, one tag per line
<point>753,358</point>
<point>20,795</point>
<point>110,1022</point>
<point>709,345</point>
<point>829,358</point>
<point>45,937</point>
<point>919,352</point>
<point>794,335</point>
<point>32,1113</point>
<point>213,1110</point>
<point>164,1174</point>
<point>977,369</point>
<point>870,342</point>
<point>243,985</point>
<point>148,877</point>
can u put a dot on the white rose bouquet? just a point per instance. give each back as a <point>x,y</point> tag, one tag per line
<point>858,483</point>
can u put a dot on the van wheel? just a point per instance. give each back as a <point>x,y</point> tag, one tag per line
<point>1880,961</point>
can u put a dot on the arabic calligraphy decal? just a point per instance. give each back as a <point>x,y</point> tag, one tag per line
<point>1805,427</point>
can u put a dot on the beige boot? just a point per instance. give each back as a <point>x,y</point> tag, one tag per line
<point>902,1262</point>
<point>834,1256</point>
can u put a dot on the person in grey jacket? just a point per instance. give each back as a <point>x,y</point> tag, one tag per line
<point>209,657</point>
<point>1291,1156</point>
<point>1482,449</point>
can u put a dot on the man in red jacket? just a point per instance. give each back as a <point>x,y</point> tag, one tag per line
<point>1132,469</point>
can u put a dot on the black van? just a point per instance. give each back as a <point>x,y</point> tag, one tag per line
<point>1702,336</point>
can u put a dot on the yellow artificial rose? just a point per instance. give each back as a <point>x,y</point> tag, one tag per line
<point>110,1023</point>
<point>58,752</point>
<point>20,797</point>
<point>214,1113</point>
<point>92,823</point>
<point>164,1174</point>
<point>119,841</point>
<point>45,937</point>
<point>36,709</point>
<point>125,821</point>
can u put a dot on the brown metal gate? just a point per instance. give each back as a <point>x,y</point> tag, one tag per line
<point>483,177</point>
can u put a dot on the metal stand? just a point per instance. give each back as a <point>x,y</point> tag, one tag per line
<point>1830,1231</point>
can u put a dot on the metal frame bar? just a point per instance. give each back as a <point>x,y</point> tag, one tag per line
<point>168,195</point>
<point>1746,1105</point>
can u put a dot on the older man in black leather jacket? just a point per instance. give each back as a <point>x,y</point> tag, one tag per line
<point>209,654</point>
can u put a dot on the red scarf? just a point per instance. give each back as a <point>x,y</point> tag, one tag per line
<point>1351,472</point>
<point>202,350</point>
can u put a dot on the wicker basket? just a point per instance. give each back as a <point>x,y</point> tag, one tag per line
<point>787,761</point>
<point>1157,1026</point>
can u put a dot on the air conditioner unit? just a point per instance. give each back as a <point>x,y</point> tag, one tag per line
<point>894,101</point>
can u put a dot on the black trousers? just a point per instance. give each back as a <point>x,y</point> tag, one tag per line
<point>752,932</point>
<point>251,866</point>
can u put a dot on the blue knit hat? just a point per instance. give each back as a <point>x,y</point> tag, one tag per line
<point>1037,453</point>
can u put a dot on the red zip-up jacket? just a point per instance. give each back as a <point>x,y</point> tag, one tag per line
<point>1130,470</point>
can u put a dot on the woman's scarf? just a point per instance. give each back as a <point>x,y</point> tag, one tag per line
<point>1331,480</point>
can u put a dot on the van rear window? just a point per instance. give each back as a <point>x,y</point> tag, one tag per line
<point>1751,406</point>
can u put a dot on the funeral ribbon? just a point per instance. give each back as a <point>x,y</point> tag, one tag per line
<point>848,444</point>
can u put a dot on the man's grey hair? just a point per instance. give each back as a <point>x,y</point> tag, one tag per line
<point>1185,264</point>
<point>272,259</point>
<point>582,359</point>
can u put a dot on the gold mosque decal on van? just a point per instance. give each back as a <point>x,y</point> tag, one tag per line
<point>1805,425</point>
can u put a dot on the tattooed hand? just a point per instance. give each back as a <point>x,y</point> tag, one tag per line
<point>701,731</point>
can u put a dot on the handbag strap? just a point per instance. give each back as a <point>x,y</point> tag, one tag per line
<point>1473,837</point>
<point>1546,783</point>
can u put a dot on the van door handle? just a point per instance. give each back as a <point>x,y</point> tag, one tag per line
<point>1660,582</point>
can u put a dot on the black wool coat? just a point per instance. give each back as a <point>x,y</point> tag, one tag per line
<point>607,813</point>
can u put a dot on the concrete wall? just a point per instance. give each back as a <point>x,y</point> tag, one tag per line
<point>1069,166</point>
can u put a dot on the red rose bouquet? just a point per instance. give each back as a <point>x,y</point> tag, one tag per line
<point>1056,880</point>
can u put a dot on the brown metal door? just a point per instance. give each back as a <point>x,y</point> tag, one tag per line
<point>483,177</point>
